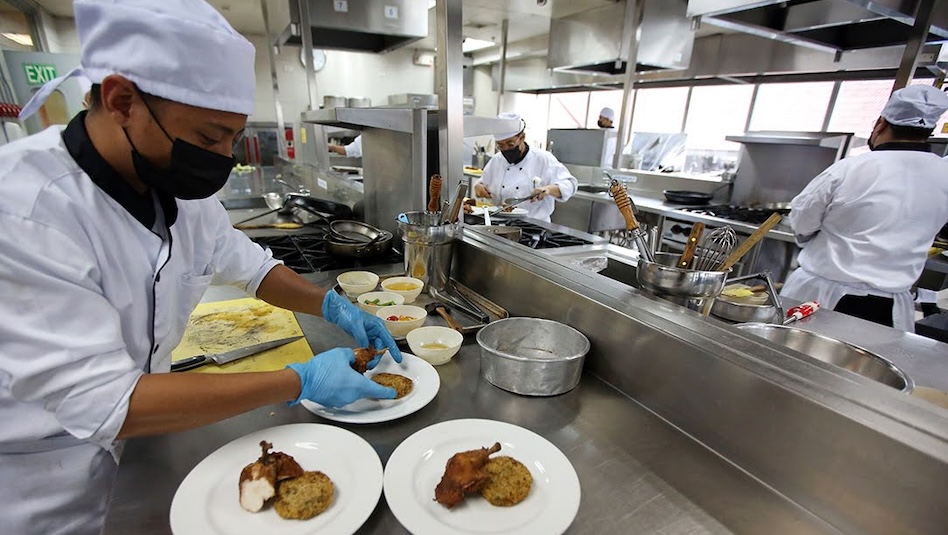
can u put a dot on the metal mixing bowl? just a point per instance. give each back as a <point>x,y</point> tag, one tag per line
<point>841,354</point>
<point>745,312</point>
<point>663,278</point>
<point>531,356</point>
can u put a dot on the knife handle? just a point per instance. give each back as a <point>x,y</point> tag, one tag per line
<point>189,363</point>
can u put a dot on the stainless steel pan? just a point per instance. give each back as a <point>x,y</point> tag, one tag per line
<point>378,246</point>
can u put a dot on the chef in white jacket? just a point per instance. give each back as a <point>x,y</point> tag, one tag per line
<point>352,150</point>
<point>110,236</point>
<point>525,171</point>
<point>867,222</point>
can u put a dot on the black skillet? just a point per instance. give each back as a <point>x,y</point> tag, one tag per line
<point>687,197</point>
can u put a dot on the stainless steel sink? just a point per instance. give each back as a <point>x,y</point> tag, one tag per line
<point>592,188</point>
<point>620,262</point>
<point>841,354</point>
<point>244,203</point>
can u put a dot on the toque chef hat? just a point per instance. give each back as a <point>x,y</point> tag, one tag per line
<point>180,50</point>
<point>919,106</point>
<point>608,113</point>
<point>510,117</point>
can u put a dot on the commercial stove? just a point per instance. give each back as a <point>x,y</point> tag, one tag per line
<point>306,253</point>
<point>744,214</point>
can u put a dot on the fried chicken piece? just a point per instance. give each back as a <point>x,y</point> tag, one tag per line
<point>364,355</point>
<point>258,480</point>
<point>465,472</point>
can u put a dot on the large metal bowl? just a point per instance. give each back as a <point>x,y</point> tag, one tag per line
<point>841,354</point>
<point>663,278</point>
<point>745,312</point>
<point>531,356</point>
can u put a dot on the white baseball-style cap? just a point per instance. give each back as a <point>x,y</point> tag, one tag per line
<point>180,50</point>
<point>919,106</point>
<point>608,113</point>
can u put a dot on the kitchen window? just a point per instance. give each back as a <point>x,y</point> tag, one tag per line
<point>603,99</point>
<point>568,110</point>
<point>794,107</point>
<point>715,112</point>
<point>660,110</point>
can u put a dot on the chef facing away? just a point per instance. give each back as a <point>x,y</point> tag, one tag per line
<point>111,235</point>
<point>525,171</point>
<point>867,222</point>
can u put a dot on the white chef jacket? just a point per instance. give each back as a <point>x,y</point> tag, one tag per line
<point>354,149</point>
<point>505,180</point>
<point>866,224</point>
<point>92,299</point>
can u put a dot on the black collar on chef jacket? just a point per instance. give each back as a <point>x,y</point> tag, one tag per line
<point>904,145</point>
<point>142,208</point>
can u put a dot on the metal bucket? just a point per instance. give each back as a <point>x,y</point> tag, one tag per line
<point>840,354</point>
<point>429,247</point>
<point>531,356</point>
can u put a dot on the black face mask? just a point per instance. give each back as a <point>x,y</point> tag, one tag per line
<point>194,173</point>
<point>515,155</point>
<point>603,124</point>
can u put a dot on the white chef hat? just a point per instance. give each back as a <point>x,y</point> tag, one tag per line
<point>608,113</point>
<point>180,50</point>
<point>85,84</point>
<point>510,116</point>
<point>919,106</point>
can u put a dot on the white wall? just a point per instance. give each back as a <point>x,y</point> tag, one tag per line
<point>347,74</point>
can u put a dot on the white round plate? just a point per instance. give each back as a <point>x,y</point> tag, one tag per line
<point>207,501</point>
<point>417,464</point>
<point>371,411</point>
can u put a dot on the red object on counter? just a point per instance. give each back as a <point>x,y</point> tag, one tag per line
<point>799,312</point>
<point>10,111</point>
<point>290,148</point>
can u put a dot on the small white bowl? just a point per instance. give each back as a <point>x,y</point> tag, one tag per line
<point>409,295</point>
<point>356,283</point>
<point>422,337</point>
<point>402,328</point>
<point>390,298</point>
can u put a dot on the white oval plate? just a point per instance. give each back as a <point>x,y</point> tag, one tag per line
<point>417,464</point>
<point>371,411</point>
<point>207,501</point>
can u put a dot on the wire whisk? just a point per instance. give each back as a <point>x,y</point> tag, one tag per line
<point>714,249</point>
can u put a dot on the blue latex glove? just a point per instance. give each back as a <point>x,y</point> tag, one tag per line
<point>328,379</point>
<point>362,326</point>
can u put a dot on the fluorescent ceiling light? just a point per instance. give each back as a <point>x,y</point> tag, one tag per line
<point>19,38</point>
<point>469,44</point>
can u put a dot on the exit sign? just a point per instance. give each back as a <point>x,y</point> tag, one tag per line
<point>39,73</point>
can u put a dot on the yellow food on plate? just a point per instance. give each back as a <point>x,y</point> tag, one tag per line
<point>737,292</point>
<point>304,497</point>
<point>509,484</point>
<point>402,385</point>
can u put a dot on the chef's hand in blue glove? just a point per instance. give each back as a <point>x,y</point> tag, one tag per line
<point>328,379</point>
<point>364,327</point>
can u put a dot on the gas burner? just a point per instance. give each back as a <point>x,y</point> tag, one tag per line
<point>306,253</point>
<point>537,237</point>
<point>744,214</point>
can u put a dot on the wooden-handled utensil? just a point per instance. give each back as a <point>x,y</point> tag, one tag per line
<point>445,313</point>
<point>751,241</point>
<point>434,193</point>
<point>624,203</point>
<point>281,226</point>
<point>689,253</point>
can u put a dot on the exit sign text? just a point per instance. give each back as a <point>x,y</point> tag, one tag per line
<point>38,73</point>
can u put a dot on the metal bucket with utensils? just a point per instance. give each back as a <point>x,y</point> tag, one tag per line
<point>694,289</point>
<point>429,247</point>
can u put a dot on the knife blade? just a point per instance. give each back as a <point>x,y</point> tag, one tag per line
<point>229,356</point>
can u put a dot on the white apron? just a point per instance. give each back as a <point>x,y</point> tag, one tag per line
<point>505,180</point>
<point>805,286</point>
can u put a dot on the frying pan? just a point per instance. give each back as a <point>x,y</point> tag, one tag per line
<point>377,247</point>
<point>687,197</point>
<point>315,206</point>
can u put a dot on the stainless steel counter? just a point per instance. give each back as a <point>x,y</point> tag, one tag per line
<point>638,474</point>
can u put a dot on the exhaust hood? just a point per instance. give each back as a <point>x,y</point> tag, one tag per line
<point>828,25</point>
<point>596,41</point>
<point>357,25</point>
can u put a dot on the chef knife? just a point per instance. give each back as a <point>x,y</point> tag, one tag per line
<point>229,356</point>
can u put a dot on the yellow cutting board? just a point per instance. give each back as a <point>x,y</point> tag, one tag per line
<point>224,325</point>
